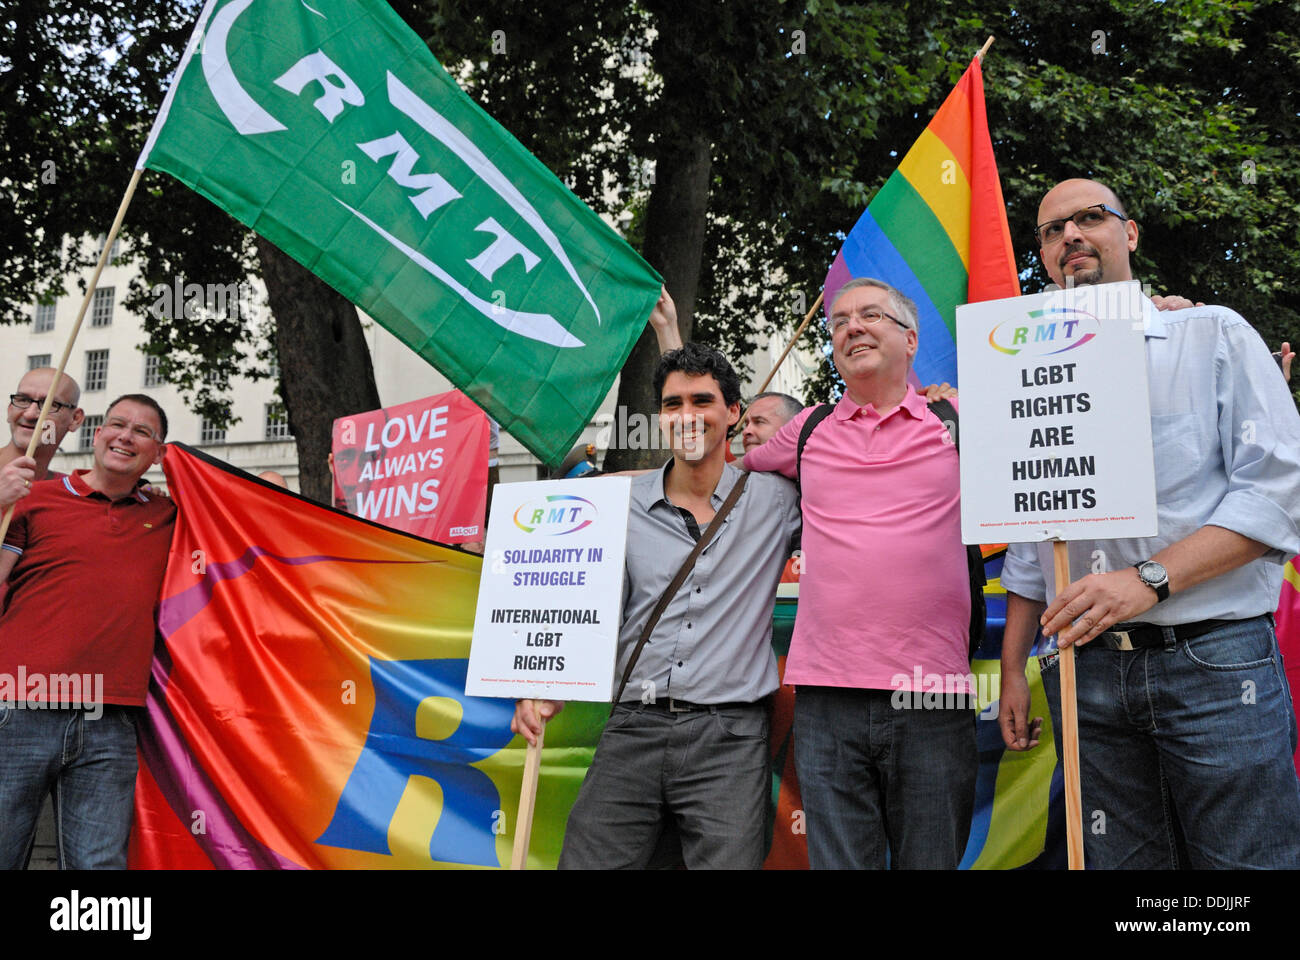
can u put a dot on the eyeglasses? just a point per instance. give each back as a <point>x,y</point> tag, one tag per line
<point>138,430</point>
<point>1089,218</point>
<point>871,315</point>
<point>22,402</point>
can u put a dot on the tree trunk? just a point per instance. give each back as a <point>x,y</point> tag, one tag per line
<point>325,370</point>
<point>674,245</point>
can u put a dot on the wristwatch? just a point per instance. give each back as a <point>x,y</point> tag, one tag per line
<point>1154,576</point>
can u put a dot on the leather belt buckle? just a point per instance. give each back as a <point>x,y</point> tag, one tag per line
<point>1118,640</point>
<point>679,706</point>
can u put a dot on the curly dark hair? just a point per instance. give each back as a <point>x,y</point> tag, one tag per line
<point>696,359</point>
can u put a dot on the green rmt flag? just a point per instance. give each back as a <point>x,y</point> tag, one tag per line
<point>329,128</point>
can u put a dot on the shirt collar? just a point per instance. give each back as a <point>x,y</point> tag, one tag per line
<point>1153,322</point>
<point>913,403</point>
<point>730,477</point>
<point>78,487</point>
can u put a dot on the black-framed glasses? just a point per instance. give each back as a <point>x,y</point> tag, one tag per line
<point>1089,218</point>
<point>22,402</point>
<point>872,315</point>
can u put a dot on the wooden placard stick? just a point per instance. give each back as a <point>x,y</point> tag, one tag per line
<point>527,802</point>
<point>72,337</point>
<point>1069,727</point>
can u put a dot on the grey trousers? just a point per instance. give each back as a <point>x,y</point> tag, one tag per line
<point>706,772</point>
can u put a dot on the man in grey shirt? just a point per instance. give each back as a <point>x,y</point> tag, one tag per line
<point>688,742</point>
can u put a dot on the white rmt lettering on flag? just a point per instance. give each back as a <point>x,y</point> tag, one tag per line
<point>445,230</point>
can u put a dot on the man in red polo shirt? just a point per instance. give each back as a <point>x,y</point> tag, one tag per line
<point>84,559</point>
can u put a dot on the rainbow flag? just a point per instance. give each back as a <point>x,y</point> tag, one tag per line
<point>937,230</point>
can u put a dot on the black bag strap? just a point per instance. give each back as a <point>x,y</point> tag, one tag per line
<point>687,565</point>
<point>974,556</point>
<point>820,413</point>
<point>947,413</point>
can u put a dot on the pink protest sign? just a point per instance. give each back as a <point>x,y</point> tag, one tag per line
<point>419,467</point>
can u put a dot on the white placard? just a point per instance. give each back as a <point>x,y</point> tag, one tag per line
<point>550,599</point>
<point>1055,417</point>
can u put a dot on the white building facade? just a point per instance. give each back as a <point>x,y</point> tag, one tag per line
<point>107,362</point>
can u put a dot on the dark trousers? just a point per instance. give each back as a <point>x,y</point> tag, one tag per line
<point>88,761</point>
<point>1185,752</point>
<point>706,772</point>
<point>876,779</point>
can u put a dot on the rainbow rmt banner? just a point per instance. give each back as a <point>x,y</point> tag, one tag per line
<point>937,230</point>
<point>307,706</point>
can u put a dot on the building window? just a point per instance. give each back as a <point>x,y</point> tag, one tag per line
<point>277,422</point>
<point>43,321</point>
<point>96,370</point>
<point>152,378</point>
<point>114,252</point>
<point>209,432</point>
<point>38,360</point>
<point>101,308</point>
<point>86,439</point>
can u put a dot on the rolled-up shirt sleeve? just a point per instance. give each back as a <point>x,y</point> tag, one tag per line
<point>1022,573</point>
<point>1259,431</point>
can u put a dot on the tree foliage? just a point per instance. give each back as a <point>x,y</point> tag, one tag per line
<point>1187,108</point>
<point>79,86</point>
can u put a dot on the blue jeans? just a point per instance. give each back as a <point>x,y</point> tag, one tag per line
<point>89,764</point>
<point>708,773</point>
<point>1195,737</point>
<point>877,779</point>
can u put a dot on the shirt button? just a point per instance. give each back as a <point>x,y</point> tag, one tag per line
<point>688,626</point>
<point>679,663</point>
<point>697,589</point>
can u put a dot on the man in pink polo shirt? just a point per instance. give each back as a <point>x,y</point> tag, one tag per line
<point>884,607</point>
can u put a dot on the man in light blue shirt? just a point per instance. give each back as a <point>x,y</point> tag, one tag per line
<point>1186,725</point>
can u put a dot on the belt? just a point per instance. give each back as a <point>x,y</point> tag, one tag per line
<point>673,705</point>
<point>1137,636</point>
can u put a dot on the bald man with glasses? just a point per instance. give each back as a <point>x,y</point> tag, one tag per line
<point>17,470</point>
<point>1186,728</point>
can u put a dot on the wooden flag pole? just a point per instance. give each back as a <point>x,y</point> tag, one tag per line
<point>985,49</point>
<point>740,424</point>
<point>527,802</point>
<point>76,328</point>
<point>1069,728</point>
